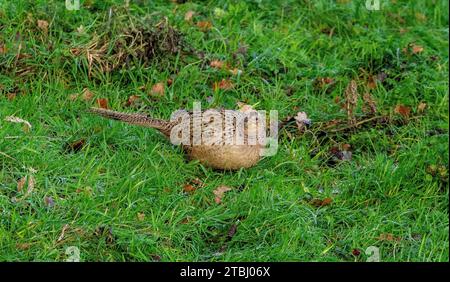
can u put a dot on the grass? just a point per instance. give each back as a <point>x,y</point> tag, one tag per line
<point>120,190</point>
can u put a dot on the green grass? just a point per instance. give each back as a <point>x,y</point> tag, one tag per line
<point>386,188</point>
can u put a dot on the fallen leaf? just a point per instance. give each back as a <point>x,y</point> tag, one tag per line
<point>389,237</point>
<point>219,193</point>
<point>23,246</point>
<point>416,49</point>
<point>77,145</point>
<point>141,216</point>
<point>188,16</point>
<point>27,125</point>
<point>321,203</point>
<point>188,188</point>
<point>11,96</point>
<point>356,252</point>
<point>132,100</point>
<point>155,257</point>
<point>73,97</point>
<point>371,83</point>
<point>235,71</point>
<point>232,231</point>
<point>157,89</point>
<point>421,107</point>
<point>169,82</point>
<point>322,82</point>
<point>102,103</point>
<point>224,84</point>
<point>42,25</point>
<point>2,49</point>
<point>48,201</point>
<point>21,183</point>
<point>402,110</point>
<point>204,25</point>
<point>216,64</point>
<point>87,94</point>
<point>302,121</point>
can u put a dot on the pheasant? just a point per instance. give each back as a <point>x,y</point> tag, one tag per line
<point>218,147</point>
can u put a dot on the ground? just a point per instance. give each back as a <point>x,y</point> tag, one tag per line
<point>367,178</point>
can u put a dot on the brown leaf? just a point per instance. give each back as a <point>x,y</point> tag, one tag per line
<point>188,16</point>
<point>416,49</point>
<point>2,49</point>
<point>21,183</point>
<point>321,203</point>
<point>402,110</point>
<point>87,94</point>
<point>42,25</point>
<point>48,201</point>
<point>11,96</point>
<point>371,83</point>
<point>102,103</point>
<point>73,97</point>
<point>224,84</point>
<point>323,82</point>
<point>188,188</point>
<point>421,107</point>
<point>157,90</point>
<point>389,237</point>
<point>302,121</point>
<point>132,100</point>
<point>219,193</point>
<point>204,25</point>
<point>216,64</point>
<point>77,145</point>
<point>141,216</point>
<point>23,246</point>
<point>232,231</point>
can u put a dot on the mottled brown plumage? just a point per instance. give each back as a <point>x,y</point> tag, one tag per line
<point>220,155</point>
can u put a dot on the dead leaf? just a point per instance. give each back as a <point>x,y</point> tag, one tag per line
<point>77,145</point>
<point>141,216</point>
<point>23,246</point>
<point>224,84</point>
<point>204,25</point>
<point>73,97</point>
<point>102,103</point>
<point>43,25</point>
<point>87,94</point>
<point>421,107</point>
<point>302,121</point>
<point>132,100</point>
<point>21,183</point>
<point>188,188</point>
<point>322,82</point>
<point>416,49</point>
<point>2,49</point>
<point>235,71</point>
<point>219,193</point>
<point>30,181</point>
<point>402,110</point>
<point>27,125</point>
<point>321,203</point>
<point>157,90</point>
<point>232,231</point>
<point>188,16</point>
<point>11,96</point>
<point>48,201</point>
<point>389,237</point>
<point>371,83</point>
<point>216,64</point>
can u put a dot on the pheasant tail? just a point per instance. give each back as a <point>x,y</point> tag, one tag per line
<point>135,119</point>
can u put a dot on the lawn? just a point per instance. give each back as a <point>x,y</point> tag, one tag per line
<point>366,180</point>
